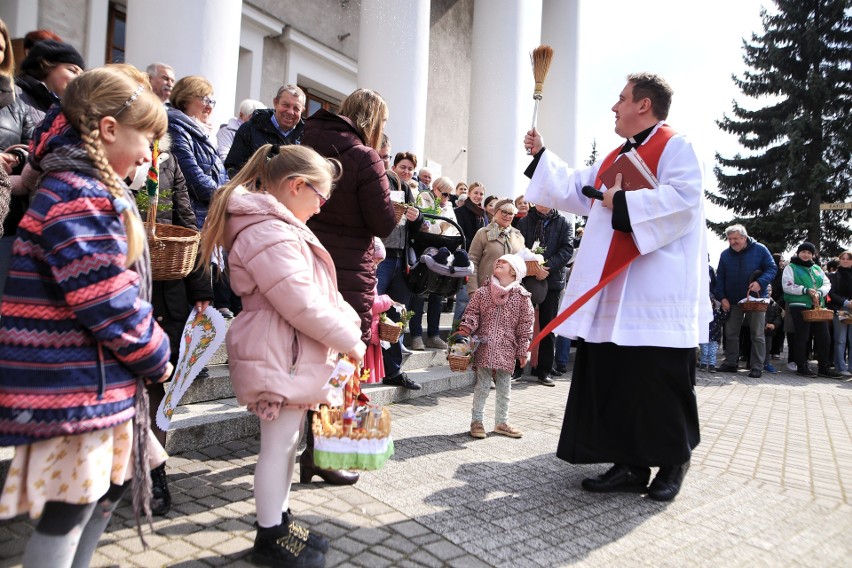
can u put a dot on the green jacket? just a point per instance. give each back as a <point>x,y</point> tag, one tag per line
<point>808,278</point>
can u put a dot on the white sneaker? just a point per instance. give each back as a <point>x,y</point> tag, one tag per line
<point>792,366</point>
<point>417,344</point>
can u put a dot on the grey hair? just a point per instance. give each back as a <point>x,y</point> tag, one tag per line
<point>293,90</point>
<point>248,106</point>
<point>152,68</point>
<point>736,229</point>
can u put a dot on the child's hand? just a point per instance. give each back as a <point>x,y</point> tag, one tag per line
<point>523,361</point>
<point>167,373</point>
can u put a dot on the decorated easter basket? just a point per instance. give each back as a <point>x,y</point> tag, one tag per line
<point>398,211</point>
<point>533,268</point>
<point>754,304</point>
<point>817,314</point>
<point>352,439</point>
<point>459,363</point>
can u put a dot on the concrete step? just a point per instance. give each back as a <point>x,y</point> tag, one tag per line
<point>206,423</point>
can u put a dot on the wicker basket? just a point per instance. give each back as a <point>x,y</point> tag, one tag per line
<point>533,268</point>
<point>753,305</point>
<point>817,314</point>
<point>458,363</point>
<point>398,211</point>
<point>173,250</point>
<point>389,332</point>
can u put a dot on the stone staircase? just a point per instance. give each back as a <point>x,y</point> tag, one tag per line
<point>209,413</point>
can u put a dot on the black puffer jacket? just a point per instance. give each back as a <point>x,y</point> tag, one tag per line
<point>359,209</point>
<point>254,133</point>
<point>558,245</point>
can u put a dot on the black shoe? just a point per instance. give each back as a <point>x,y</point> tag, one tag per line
<point>619,479</point>
<point>711,368</point>
<point>402,380</point>
<point>307,471</point>
<point>203,374</point>
<point>546,381</point>
<point>755,373</point>
<point>667,482</point>
<point>161,499</point>
<point>829,374</point>
<point>725,368</point>
<point>304,534</point>
<point>562,369</point>
<point>556,373</point>
<point>279,546</point>
<point>518,371</point>
<point>806,372</point>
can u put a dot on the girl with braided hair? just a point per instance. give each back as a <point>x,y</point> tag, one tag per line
<point>77,336</point>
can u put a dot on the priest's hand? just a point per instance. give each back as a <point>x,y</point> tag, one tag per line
<point>533,142</point>
<point>610,193</point>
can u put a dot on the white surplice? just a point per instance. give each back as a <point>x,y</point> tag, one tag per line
<point>662,297</point>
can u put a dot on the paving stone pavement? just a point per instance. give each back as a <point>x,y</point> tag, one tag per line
<point>770,485</point>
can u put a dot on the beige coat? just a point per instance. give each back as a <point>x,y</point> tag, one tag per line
<point>283,346</point>
<point>487,246</point>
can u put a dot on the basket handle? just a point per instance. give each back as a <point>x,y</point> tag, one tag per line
<point>152,186</point>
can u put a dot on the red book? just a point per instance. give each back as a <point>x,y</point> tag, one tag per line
<point>635,174</point>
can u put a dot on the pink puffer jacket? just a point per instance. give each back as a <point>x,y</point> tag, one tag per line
<point>284,344</point>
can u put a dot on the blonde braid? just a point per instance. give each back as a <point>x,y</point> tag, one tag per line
<point>90,134</point>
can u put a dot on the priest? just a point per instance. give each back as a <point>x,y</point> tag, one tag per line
<point>636,302</point>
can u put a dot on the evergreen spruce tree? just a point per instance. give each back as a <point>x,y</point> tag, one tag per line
<point>799,144</point>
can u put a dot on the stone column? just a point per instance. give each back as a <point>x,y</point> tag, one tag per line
<point>393,59</point>
<point>557,113</point>
<point>196,37</point>
<point>504,34</point>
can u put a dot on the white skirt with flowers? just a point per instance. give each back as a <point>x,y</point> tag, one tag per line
<point>74,469</point>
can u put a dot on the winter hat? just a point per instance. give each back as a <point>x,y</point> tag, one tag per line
<point>379,252</point>
<point>52,52</point>
<point>806,246</point>
<point>517,263</point>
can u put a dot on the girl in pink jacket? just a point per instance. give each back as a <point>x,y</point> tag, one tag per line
<point>283,346</point>
<point>501,315</point>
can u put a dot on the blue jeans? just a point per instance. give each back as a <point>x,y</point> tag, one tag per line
<point>391,282</point>
<point>462,300</point>
<point>563,351</point>
<point>433,315</point>
<point>842,342</point>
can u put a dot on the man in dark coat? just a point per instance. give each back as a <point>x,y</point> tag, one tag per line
<point>282,124</point>
<point>359,209</point>
<point>553,232</point>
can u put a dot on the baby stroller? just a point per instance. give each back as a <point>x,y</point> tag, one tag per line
<point>437,264</point>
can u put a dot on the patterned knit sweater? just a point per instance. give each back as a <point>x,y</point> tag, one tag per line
<point>74,333</point>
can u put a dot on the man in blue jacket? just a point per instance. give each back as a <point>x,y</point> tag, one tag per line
<point>746,267</point>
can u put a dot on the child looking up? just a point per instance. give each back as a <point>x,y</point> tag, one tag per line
<point>500,313</point>
<point>77,335</point>
<point>283,346</point>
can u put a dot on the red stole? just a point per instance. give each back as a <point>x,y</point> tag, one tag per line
<point>622,249</point>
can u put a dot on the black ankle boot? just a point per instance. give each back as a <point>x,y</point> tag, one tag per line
<point>307,471</point>
<point>303,533</point>
<point>161,499</point>
<point>279,546</point>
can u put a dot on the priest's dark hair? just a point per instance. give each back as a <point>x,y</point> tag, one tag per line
<point>654,87</point>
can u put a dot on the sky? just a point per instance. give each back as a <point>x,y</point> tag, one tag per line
<point>695,46</point>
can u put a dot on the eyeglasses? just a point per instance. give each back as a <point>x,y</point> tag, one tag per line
<point>322,198</point>
<point>507,212</point>
<point>446,193</point>
<point>385,158</point>
<point>208,101</point>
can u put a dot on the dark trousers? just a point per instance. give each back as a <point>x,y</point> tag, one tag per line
<point>391,282</point>
<point>547,310</point>
<point>799,347</point>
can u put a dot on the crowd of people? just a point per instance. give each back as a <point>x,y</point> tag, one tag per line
<point>301,243</point>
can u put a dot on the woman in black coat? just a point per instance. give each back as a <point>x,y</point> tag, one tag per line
<point>471,217</point>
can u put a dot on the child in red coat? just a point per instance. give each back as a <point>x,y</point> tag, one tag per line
<point>381,303</point>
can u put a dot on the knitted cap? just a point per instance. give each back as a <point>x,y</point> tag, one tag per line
<point>517,263</point>
<point>806,246</point>
<point>52,52</point>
